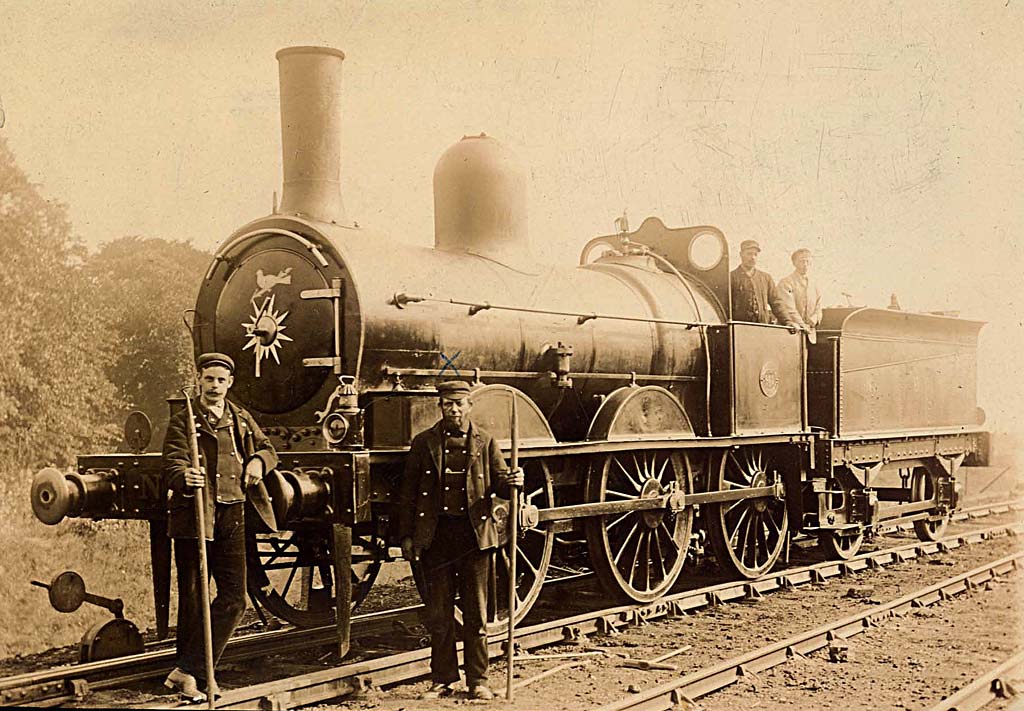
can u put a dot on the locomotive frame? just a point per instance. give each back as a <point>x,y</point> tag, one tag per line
<point>652,427</point>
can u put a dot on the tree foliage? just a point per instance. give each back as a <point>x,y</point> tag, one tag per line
<point>55,399</point>
<point>146,285</point>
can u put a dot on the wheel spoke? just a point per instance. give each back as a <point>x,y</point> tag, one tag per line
<point>640,470</point>
<point>744,539</point>
<point>733,505</point>
<point>733,537</point>
<point>625,542</point>
<point>762,538</point>
<point>743,473</point>
<point>620,494</point>
<point>636,558</point>
<point>659,555</point>
<point>533,568</point>
<point>664,465</point>
<point>628,476</point>
<point>619,520</point>
<point>288,584</point>
<point>668,535</point>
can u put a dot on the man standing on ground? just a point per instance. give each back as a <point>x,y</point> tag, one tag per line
<point>234,456</point>
<point>800,293</point>
<point>754,296</point>
<point>446,525</point>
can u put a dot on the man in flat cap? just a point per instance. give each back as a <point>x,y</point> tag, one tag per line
<point>754,296</point>
<point>445,523</point>
<point>234,456</point>
<point>800,294</point>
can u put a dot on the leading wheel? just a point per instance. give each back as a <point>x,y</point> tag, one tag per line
<point>638,555</point>
<point>747,535</point>
<point>291,573</point>
<point>922,488</point>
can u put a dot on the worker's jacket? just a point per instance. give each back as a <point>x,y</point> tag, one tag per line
<point>420,502</point>
<point>236,430</point>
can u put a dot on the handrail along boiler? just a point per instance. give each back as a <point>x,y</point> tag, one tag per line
<point>650,423</point>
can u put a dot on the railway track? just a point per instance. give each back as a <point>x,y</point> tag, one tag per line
<point>1001,682</point>
<point>693,686</point>
<point>357,678</point>
<point>67,684</point>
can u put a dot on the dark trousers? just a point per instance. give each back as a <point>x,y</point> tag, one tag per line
<point>225,558</point>
<point>454,563</point>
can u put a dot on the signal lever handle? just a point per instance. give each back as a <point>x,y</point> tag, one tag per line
<point>67,593</point>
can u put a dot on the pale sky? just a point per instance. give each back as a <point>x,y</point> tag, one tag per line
<point>887,137</point>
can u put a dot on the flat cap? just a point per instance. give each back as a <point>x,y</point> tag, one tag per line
<point>749,244</point>
<point>453,388</point>
<point>209,360</point>
<point>797,253</point>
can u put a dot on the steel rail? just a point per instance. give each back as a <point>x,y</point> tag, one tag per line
<point>692,686</point>
<point>997,683</point>
<point>70,682</point>
<point>321,686</point>
<point>74,681</point>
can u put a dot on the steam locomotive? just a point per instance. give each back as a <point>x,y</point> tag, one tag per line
<point>651,426</point>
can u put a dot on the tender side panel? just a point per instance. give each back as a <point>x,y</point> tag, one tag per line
<point>903,372</point>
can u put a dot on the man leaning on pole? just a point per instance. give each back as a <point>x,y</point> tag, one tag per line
<point>234,455</point>
<point>447,527</point>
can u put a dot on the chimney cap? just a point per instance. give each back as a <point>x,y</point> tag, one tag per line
<point>307,49</point>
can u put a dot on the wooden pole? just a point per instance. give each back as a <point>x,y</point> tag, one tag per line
<point>204,572</point>
<point>342,550</point>
<point>513,535</point>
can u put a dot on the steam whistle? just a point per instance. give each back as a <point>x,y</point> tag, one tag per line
<point>104,640</point>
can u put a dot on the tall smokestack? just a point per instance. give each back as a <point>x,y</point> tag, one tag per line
<point>311,132</point>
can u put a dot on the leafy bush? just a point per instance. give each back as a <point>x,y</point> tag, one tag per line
<point>86,338</point>
<point>55,399</point>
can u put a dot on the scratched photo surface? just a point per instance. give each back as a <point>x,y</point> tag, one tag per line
<point>884,137</point>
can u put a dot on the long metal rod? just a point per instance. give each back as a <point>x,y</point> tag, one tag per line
<point>582,317</point>
<point>600,508</point>
<point>391,370</point>
<point>513,552</point>
<point>204,573</point>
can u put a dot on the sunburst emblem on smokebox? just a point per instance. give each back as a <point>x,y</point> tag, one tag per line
<point>265,331</point>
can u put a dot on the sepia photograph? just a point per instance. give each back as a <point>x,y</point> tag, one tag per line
<point>542,355</point>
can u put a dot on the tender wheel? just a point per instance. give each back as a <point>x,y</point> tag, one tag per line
<point>747,535</point>
<point>638,555</point>
<point>922,488</point>
<point>841,545</point>
<point>534,556</point>
<point>291,573</point>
